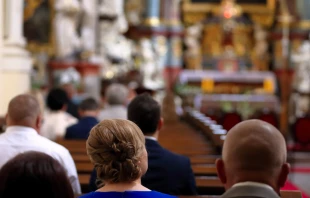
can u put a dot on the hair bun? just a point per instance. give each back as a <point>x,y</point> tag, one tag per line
<point>122,151</point>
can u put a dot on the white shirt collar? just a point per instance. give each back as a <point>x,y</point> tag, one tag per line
<point>249,183</point>
<point>150,138</point>
<point>14,129</point>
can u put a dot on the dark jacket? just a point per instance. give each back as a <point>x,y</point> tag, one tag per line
<point>167,172</point>
<point>80,131</point>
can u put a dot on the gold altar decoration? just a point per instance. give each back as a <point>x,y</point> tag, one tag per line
<point>229,32</point>
<point>37,46</point>
<point>262,14</point>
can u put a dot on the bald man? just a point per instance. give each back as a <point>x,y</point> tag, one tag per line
<point>254,161</point>
<point>23,123</point>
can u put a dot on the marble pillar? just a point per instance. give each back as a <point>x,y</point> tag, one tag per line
<point>14,20</point>
<point>15,61</point>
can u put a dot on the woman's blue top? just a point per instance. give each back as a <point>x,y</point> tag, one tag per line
<point>127,194</point>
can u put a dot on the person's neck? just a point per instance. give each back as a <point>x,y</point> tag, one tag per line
<point>90,114</point>
<point>122,187</point>
<point>155,135</point>
<point>257,179</point>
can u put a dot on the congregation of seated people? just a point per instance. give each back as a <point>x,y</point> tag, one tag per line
<point>122,144</point>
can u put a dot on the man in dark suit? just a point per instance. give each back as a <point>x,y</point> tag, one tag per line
<point>167,172</point>
<point>88,110</point>
<point>254,161</point>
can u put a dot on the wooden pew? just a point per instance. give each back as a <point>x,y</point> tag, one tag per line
<point>202,182</point>
<point>205,181</point>
<point>195,159</point>
<point>86,167</point>
<point>284,194</point>
<point>185,151</point>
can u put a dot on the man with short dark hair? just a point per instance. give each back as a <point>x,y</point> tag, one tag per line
<point>56,119</point>
<point>167,172</point>
<point>24,122</point>
<point>253,162</point>
<point>88,111</point>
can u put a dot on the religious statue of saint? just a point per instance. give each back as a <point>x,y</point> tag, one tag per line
<point>193,56</point>
<point>65,24</point>
<point>150,67</point>
<point>115,48</point>
<point>260,52</point>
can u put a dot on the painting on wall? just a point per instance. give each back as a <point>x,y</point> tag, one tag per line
<point>38,31</point>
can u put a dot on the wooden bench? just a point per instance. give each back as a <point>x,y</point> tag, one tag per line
<point>202,182</point>
<point>86,167</point>
<point>195,159</point>
<point>205,181</point>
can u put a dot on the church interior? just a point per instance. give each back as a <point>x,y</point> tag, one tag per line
<point>211,64</point>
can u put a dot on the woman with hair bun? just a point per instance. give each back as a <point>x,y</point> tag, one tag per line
<point>117,149</point>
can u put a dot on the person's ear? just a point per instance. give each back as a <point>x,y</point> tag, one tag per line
<point>160,124</point>
<point>38,123</point>
<point>220,168</point>
<point>6,118</point>
<point>285,170</point>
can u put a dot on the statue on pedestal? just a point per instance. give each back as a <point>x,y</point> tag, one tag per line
<point>115,48</point>
<point>300,99</point>
<point>65,24</point>
<point>193,56</point>
<point>260,53</point>
<point>150,67</point>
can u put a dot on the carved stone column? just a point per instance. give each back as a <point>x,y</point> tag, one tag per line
<point>14,22</point>
<point>15,62</point>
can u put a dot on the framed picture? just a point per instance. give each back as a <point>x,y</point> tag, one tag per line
<point>38,25</point>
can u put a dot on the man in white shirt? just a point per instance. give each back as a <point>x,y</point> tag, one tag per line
<point>254,161</point>
<point>24,121</point>
<point>116,98</point>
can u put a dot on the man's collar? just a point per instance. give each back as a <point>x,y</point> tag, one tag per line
<point>249,183</point>
<point>150,138</point>
<point>23,129</point>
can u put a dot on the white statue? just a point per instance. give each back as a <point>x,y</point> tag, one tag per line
<point>115,49</point>
<point>89,22</point>
<point>192,42</point>
<point>300,101</point>
<point>66,18</point>
<point>150,68</point>
<point>261,46</point>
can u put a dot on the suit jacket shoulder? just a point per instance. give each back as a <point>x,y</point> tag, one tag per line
<point>168,172</point>
<point>250,191</point>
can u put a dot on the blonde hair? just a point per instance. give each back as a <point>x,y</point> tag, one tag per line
<point>115,147</point>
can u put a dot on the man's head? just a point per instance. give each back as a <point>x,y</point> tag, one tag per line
<point>57,99</point>
<point>116,94</point>
<point>24,110</point>
<point>144,111</point>
<point>253,151</point>
<point>89,107</point>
